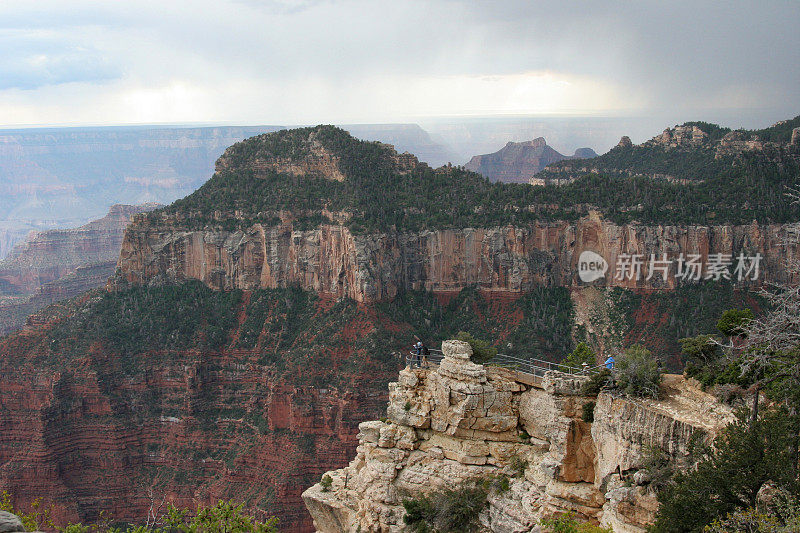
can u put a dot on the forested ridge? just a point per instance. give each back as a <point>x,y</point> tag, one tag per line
<point>380,195</point>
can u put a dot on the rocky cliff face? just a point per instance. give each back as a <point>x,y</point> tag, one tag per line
<point>58,264</point>
<point>462,421</point>
<point>90,427</point>
<point>516,162</point>
<point>331,260</point>
<point>51,254</point>
<point>732,143</point>
<point>18,310</point>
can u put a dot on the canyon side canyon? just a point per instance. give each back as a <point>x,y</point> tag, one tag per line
<point>250,327</point>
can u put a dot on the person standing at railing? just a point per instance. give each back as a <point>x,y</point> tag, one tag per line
<point>417,354</point>
<point>425,354</point>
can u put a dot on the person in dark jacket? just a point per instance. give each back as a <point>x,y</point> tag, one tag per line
<point>417,351</point>
<point>425,354</point>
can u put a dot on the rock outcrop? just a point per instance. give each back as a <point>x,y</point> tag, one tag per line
<point>462,421</point>
<point>369,267</point>
<point>692,137</point>
<point>16,311</point>
<point>517,162</point>
<point>10,523</point>
<point>683,136</point>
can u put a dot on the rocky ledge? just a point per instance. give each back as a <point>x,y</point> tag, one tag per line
<point>461,421</point>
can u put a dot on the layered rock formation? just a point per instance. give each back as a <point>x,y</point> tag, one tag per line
<point>89,428</point>
<point>463,421</point>
<point>58,264</point>
<point>18,310</point>
<point>10,523</point>
<point>332,260</point>
<point>516,162</point>
<point>52,254</point>
<point>358,242</point>
<point>147,386</point>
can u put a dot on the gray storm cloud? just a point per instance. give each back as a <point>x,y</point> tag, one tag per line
<point>293,61</point>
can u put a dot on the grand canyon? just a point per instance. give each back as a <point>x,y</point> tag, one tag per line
<point>249,328</point>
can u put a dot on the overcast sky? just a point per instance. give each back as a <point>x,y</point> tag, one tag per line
<point>313,61</point>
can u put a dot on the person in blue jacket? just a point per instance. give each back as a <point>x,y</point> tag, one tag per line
<point>610,362</point>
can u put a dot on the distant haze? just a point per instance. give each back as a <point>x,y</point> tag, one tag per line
<point>93,62</point>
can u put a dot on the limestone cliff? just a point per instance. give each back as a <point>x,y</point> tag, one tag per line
<point>367,267</point>
<point>463,421</point>
<point>318,209</point>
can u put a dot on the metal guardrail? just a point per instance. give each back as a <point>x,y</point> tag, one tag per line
<point>533,366</point>
<point>433,358</point>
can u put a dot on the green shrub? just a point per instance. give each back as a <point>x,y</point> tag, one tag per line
<point>734,322</point>
<point>36,518</point>
<point>637,372</point>
<point>222,517</point>
<point>327,482</point>
<point>519,465</point>
<point>419,513</point>
<point>453,510</point>
<point>580,355</point>
<point>407,406</point>
<point>503,484</point>
<point>482,352</point>
<point>658,467</point>
<point>597,382</point>
<point>568,523</point>
<point>783,518</point>
<point>587,412</point>
<point>729,475</point>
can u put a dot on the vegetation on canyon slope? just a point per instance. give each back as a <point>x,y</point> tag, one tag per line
<point>283,326</point>
<point>222,517</point>
<point>382,196</point>
<point>730,474</point>
<point>749,479</point>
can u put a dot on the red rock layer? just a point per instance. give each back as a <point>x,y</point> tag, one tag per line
<point>87,435</point>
